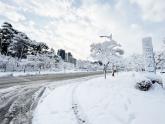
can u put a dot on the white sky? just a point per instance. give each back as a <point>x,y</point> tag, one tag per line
<point>75,24</point>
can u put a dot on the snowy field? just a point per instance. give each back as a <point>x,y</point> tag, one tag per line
<point>100,101</point>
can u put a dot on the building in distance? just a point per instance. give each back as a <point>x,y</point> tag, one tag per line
<point>67,57</point>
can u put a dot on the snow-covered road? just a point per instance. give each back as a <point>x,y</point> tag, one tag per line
<point>100,101</point>
<point>17,103</point>
<point>37,79</point>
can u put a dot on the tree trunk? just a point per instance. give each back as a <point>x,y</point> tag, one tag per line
<point>25,69</point>
<point>105,73</point>
<point>113,73</point>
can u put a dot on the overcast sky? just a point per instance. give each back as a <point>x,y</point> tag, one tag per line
<point>75,24</point>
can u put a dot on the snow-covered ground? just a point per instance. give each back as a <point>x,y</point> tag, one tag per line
<point>99,101</point>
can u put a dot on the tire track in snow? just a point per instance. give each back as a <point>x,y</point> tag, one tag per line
<point>77,109</point>
<point>17,107</point>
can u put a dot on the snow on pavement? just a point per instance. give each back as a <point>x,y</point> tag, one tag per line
<point>101,101</point>
<point>17,103</point>
<point>56,107</point>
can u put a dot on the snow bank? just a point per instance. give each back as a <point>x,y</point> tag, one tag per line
<point>101,101</point>
<point>15,74</point>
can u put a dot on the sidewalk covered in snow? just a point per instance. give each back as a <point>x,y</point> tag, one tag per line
<point>99,101</point>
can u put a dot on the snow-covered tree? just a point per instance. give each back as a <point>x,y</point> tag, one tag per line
<point>17,44</point>
<point>86,65</point>
<point>108,52</point>
<point>134,62</point>
<point>160,58</point>
<point>6,35</point>
<point>40,47</point>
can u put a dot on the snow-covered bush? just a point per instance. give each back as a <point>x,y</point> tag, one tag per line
<point>144,85</point>
<point>154,78</point>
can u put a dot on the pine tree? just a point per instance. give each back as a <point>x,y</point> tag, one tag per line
<point>6,35</point>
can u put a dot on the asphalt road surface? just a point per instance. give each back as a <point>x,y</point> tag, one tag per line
<point>22,80</point>
<point>21,97</point>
